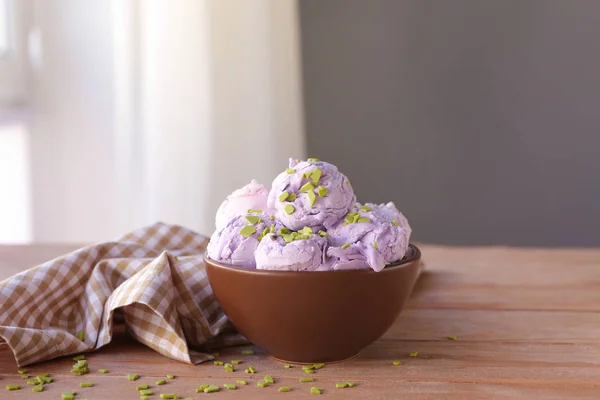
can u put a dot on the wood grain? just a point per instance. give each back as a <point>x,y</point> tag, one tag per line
<point>527,322</point>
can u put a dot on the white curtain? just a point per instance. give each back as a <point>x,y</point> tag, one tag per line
<point>204,95</point>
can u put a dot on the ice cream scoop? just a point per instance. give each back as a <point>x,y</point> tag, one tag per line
<point>310,193</point>
<point>286,253</point>
<point>253,196</point>
<point>374,234</point>
<point>237,241</point>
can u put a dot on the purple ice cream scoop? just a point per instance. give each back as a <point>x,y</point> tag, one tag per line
<point>305,254</point>
<point>371,235</point>
<point>310,193</point>
<point>236,243</point>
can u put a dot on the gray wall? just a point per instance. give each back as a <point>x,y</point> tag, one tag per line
<point>480,118</point>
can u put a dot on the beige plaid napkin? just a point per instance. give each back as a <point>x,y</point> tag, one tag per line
<point>154,275</point>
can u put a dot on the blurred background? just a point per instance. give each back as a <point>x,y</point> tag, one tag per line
<point>480,119</point>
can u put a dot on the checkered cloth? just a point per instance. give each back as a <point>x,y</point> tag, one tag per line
<point>155,276</point>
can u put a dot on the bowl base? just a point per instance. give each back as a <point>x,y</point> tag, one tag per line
<point>316,362</point>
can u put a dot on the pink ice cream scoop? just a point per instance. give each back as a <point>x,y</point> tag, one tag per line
<point>236,243</point>
<point>253,196</point>
<point>372,235</point>
<point>305,252</point>
<point>310,193</point>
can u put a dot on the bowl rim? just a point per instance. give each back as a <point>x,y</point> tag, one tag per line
<point>415,256</point>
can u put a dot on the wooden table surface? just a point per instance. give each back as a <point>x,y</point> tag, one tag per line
<point>527,323</point>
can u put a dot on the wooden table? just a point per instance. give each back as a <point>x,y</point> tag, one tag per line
<point>527,323</point>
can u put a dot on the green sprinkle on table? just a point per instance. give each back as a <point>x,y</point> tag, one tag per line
<point>24,376</point>
<point>142,387</point>
<point>161,382</point>
<point>103,371</point>
<point>414,354</point>
<point>262,384</point>
<point>284,389</point>
<point>452,338</point>
<point>248,230</point>
<point>318,366</point>
<point>351,384</point>
<point>396,362</point>
<point>341,385</point>
<point>38,388</point>
<point>167,396</point>
<point>86,384</point>
<point>288,366</point>
<point>146,392</point>
<point>306,380</point>
<point>212,389</point>
<point>67,396</point>
<point>32,382</point>
<point>48,380</point>
<point>13,387</point>
<point>269,379</point>
<point>229,386</point>
<point>315,390</point>
<point>21,371</point>
<point>43,375</point>
<point>133,377</point>
<point>218,362</point>
<point>236,362</point>
<point>241,382</point>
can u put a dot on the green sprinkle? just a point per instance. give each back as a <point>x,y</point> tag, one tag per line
<point>288,238</point>
<point>347,182</point>
<point>394,222</point>
<point>218,362</point>
<point>307,187</point>
<point>311,198</point>
<point>229,386</point>
<point>80,335</point>
<point>145,391</point>
<point>309,369</point>
<point>21,371</point>
<point>290,171</point>
<point>167,396</point>
<point>262,384</point>
<point>356,218</point>
<point>250,370</point>
<point>67,396</point>
<point>269,379</point>
<point>236,362</point>
<point>318,366</point>
<point>211,389</point>
<point>241,382</point>
<point>255,211</point>
<point>315,390</point>
<point>396,362</point>
<point>351,384</point>
<point>161,382</point>
<point>201,388</point>
<point>48,380</point>
<point>142,387</point>
<point>103,371</point>
<point>323,234</point>
<point>13,387</point>
<point>306,380</point>
<point>416,353</point>
<point>170,376</point>
<point>264,233</point>
<point>39,380</point>
<point>316,175</point>
<point>288,366</point>
<point>284,389</point>
<point>253,219</point>
<point>248,352</point>
<point>32,382</point>
<point>312,159</point>
<point>289,209</point>
<point>322,191</point>
<point>272,218</point>
<point>24,376</point>
<point>306,175</point>
<point>341,385</point>
<point>86,384</point>
<point>451,337</point>
<point>44,375</point>
<point>272,229</point>
<point>133,377</point>
<point>363,219</point>
<point>79,357</point>
<point>248,230</point>
<point>365,209</point>
<point>38,388</point>
<point>292,197</point>
<point>282,231</point>
<point>375,245</point>
<point>345,245</point>
<point>229,368</point>
<point>283,196</point>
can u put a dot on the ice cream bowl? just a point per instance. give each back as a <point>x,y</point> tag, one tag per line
<point>313,316</point>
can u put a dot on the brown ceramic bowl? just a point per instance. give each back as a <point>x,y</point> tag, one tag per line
<point>314,316</point>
